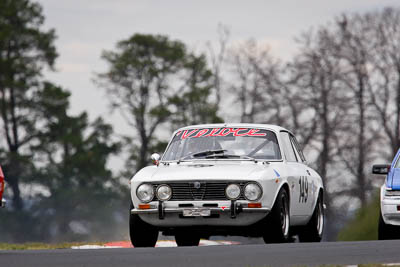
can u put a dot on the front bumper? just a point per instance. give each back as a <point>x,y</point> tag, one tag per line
<point>390,208</point>
<point>225,214</point>
<point>213,210</point>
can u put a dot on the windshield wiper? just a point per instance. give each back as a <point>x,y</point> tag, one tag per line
<point>231,156</point>
<point>248,157</point>
<point>223,155</point>
<point>217,153</point>
<point>237,156</point>
<point>202,154</point>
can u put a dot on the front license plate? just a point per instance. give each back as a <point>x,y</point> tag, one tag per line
<point>196,212</point>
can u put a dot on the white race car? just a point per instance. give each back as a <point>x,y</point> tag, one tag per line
<point>227,179</point>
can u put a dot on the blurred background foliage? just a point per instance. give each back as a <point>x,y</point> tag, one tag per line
<point>364,225</point>
<point>339,94</point>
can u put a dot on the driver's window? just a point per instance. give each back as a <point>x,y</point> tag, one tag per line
<point>296,146</point>
<point>397,163</point>
<point>287,147</point>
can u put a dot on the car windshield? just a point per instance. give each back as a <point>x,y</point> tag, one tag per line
<point>232,143</point>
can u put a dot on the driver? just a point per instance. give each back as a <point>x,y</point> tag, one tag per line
<point>195,145</point>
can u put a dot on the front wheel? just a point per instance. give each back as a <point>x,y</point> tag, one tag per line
<point>141,233</point>
<point>278,221</point>
<point>312,232</point>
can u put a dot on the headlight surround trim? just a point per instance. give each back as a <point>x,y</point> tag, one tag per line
<point>170,192</point>
<point>150,190</point>
<point>245,192</point>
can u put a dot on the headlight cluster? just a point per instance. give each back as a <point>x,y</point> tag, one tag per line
<point>390,193</point>
<point>251,191</point>
<point>164,192</point>
<point>145,192</point>
<point>233,191</point>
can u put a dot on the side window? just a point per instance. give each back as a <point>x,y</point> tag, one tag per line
<point>297,148</point>
<point>397,163</point>
<point>287,147</point>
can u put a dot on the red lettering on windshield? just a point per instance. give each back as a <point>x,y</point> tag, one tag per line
<point>196,133</point>
<point>227,131</point>
<point>254,132</point>
<point>213,131</point>
<point>186,135</point>
<point>236,132</point>
<point>201,133</point>
<point>221,133</point>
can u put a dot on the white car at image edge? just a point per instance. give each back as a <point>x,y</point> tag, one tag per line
<point>227,179</point>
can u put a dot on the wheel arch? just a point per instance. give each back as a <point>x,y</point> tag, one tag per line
<point>320,193</point>
<point>285,186</point>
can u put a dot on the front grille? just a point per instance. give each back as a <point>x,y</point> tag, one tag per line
<point>199,190</point>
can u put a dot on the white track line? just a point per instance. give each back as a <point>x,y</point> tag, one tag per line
<point>162,243</point>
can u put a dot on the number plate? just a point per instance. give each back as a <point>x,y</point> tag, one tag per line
<point>196,212</point>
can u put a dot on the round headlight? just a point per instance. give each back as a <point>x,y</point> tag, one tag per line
<point>252,191</point>
<point>145,192</point>
<point>164,192</point>
<point>232,191</point>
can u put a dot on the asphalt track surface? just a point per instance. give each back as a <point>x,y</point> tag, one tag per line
<point>296,254</point>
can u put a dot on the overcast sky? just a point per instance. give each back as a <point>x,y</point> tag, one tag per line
<point>86,27</point>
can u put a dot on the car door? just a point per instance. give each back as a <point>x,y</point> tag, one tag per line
<point>296,178</point>
<point>307,183</point>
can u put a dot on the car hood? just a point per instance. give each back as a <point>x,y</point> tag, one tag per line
<point>204,171</point>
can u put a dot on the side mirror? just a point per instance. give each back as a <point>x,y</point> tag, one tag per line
<point>155,158</point>
<point>381,169</point>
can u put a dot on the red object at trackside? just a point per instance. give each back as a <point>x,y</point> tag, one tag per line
<point>1,186</point>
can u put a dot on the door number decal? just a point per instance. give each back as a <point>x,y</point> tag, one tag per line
<point>303,189</point>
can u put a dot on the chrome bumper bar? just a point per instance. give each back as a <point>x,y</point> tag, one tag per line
<point>180,210</point>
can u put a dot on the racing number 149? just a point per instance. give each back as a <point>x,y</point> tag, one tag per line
<point>303,189</point>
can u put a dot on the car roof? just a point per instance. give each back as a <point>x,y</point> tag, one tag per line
<point>275,128</point>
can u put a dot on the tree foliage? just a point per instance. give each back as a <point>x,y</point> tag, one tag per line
<point>25,50</point>
<point>59,160</point>
<point>151,79</point>
<point>75,152</point>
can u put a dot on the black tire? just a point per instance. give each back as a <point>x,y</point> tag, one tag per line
<point>276,229</point>
<point>383,229</point>
<point>187,239</point>
<point>141,233</point>
<point>314,229</point>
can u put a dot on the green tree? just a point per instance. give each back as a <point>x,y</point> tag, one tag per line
<point>25,50</point>
<point>149,80</point>
<point>193,103</point>
<point>78,187</point>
